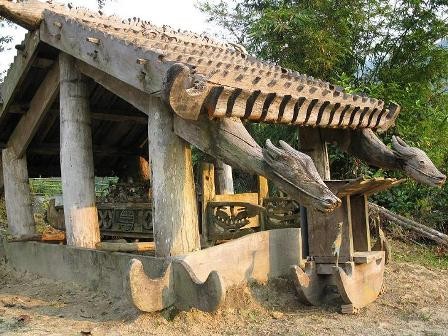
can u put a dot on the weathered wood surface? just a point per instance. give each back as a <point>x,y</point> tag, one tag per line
<point>175,216</point>
<point>18,70</point>
<point>148,294</point>
<point>126,247</point>
<point>229,141</point>
<point>360,223</point>
<point>143,53</point>
<point>39,106</point>
<point>263,189</point>
<point>224,178</point>
<point>365,145</point>
<point>238,147</point>
<point>410,224</point>
<point>324,232</point>
<point>361,284</point>
<point>17,195</point>
<point>208,194</point>
<point>363,186</point>
<point>77,170</point>
<point>312,143</point>
<point>57,237</point>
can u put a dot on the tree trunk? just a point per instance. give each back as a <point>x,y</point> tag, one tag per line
<point>77,170</point>
<point>17,195</point>
<point>175,215</point>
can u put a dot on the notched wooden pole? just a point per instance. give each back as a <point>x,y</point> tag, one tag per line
<point>175,215</point>
<point>17,195</point>
<point>77,169</point>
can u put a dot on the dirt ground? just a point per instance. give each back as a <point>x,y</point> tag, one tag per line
<point>415,303</point>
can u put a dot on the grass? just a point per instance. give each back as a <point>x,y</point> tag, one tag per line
<point>429,256</point>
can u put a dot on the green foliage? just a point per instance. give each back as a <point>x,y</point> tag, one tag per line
<point>386,49</point>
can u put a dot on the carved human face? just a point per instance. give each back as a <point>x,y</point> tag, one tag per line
<point>417,164</point>
<point>299,171</point>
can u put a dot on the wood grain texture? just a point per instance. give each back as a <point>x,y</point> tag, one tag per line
<point>39,106</point>
<point>224,179</point>
<point>17,195</point>
<point>77,170</point>
<point>18,70</point>
<point>175,215</point>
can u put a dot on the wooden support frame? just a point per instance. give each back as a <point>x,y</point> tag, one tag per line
<point>175,215</point>
<point>39,106</point>
<point>17,195</point>
<point>77,171</point>
<point>18,70</point>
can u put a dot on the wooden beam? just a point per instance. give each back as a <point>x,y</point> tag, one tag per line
<point>77,169</point>
<point>117,117</point>
<point>17,195</point>
<point>18,70</point>
<point>109,55</point>
<point>135,97</point>
<point>53,149</point>
<point>39,106</point>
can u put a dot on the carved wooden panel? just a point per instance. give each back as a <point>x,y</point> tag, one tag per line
<point>126,219</point>
<point>281,212</point>
<point>230,220</point>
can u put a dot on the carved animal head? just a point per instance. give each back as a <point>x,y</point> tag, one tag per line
<point>299,171</point>
<point>417,164</point>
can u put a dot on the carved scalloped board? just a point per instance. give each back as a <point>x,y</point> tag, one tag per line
<point>150,295</point>
<point>363,285</point>
<point>178,286</point>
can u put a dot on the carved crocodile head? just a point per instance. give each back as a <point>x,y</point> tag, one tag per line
<point>417,164</point>
<point>299,171</point>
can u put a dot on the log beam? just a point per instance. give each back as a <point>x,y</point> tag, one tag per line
<point>39,106</point>
<point>175,216</point>
<point>17,195</point>
<point>77,170</point>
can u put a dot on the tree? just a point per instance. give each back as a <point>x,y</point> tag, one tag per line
<point>386,49</point>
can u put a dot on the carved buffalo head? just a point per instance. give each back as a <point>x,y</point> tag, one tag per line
<point>416,164</point>
<point>299,171</point>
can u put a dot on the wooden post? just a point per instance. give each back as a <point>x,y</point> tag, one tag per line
<point>312,143</point>
<point>77,170</point>
<point>175,215</point>
<point>17,195</point>
<point>263,189</point>
<point>208,194</point>
<point>224,178</point>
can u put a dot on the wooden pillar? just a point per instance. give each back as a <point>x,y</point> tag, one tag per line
<point>224,178</point>
<point>263,189</point>
<point>312,143</point>
<point>175,215</point>
<point>17,195</point>
<point>77,170</point>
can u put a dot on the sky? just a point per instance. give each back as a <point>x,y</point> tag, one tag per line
<point>175,13</point>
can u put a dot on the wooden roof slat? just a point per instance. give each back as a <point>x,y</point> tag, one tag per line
<point>367,186</point>
<point>18,70</point>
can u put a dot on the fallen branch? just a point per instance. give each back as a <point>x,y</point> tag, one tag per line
<point>423,230</point>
